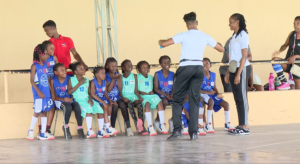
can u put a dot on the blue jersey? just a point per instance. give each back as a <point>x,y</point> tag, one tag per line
<point>61,89</point>
<point>100,89</point>
<point>208,85</point>
<point>41,81</point>
<point>114,93</point>
<point>50,63</point>
<point>165,84</point>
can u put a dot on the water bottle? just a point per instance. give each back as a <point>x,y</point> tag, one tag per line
<point>271,82</point>
<point>277,82</point>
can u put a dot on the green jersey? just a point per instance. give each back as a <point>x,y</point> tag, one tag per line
<point>128,85</point>
<point>81,94</point>
<point>145,84</point>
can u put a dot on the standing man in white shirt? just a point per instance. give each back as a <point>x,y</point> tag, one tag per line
<point>239,71</point>
<point>189,75</point>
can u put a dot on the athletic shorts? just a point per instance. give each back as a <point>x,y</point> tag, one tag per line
<point>152,99</point>
<point>186,106</point>
<point>86,108</point>
<point>58,104</point>
<point>103,99</point>
<point>288,69</point>
<point>43,105</point>
<point>217,101</point>
<point>161,96</point>
<point>131,97</point>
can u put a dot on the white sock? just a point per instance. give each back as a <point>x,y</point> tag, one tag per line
<point>33,122</point>
<point>100,123</point>
<point>200,121</point>
<point>107,125</point>
<point>89,122</point>
<point>227,116</point>
<point>43,124</point>
<point>161,116</point>
<point>200,110</point>
<point>209,114</point>
<point>148,118</point>
<point>109,118</point>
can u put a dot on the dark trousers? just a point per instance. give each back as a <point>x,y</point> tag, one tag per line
<point>69,107</point>
<point>240,94</point>
<point>124,111</point>
<point>187,78</point>
<point>226,86</point>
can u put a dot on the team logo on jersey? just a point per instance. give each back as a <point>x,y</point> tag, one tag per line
<point>212,83</point>
<point>44,80</point>
<point>207,83</point>
<point>166,90</point>
<point>62,88</point>
<point>64,45</point>
<point>131,82</point>
<point>52,63</point>
<point>62,94</point>
<point>45,70</point>
<point>48,65</point>
<point>170,82</point>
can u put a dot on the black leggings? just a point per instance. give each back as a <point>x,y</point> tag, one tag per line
<point>69,107</point>
<point>114,113</point>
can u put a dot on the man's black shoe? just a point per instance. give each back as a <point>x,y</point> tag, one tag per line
<point>194,136</point>
<point>174,136</point>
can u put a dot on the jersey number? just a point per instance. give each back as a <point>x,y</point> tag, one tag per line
<point>81,89</point>
<point>147,83</point>
<point>126,83</point>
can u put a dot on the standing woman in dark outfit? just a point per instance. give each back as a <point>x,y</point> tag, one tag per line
<point>189,75</point>
<point>239,70</point>
<point>293,53</point>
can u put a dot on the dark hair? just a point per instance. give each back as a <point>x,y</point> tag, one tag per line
<point>164,57</point>
<point>73,66</point>
<point>242,22</point>
<point>207,60</point>
<point>55,67</point>
<point>97,69</point>
<point>50,23</point>
<point>297,18</point>
<point>190,17</point>
<point>139,65</point>
<point>38,50</point>
<point>109,60</point>
<point>46,43</point>
<point>123,63</point>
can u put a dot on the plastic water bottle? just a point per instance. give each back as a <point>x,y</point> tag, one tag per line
<point>277,83</point>
<point>271,82</point>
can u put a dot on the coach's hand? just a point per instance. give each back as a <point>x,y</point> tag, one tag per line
<point>237,79</point>
<point>226,78</point>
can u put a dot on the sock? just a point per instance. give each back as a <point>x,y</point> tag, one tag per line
<point>209,114</point>
<point>48,127</point>
<point>227,116</point>
<point>100,123</point>
<point>44,124</point>
<point>200,121</point>
<point>107,125</point>
<point>33,121</point>
<point>279,71</point>
<point>161,116</point>
<point>88,122</point>
<point>108,118</point>
<point>79,127</point>
<point>148,118</point>
<point>66,125</point>
<point>200,110</point>
<point>40,127</point>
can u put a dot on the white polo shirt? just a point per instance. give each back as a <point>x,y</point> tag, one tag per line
<point>193,43</point>
<point>236,45</point>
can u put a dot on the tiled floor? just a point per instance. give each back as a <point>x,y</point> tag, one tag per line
<point>266,144</point>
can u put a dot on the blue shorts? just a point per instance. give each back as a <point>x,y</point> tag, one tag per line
<point>114,98</point>
<point>43,105</point>
<point>161,96</point>
<point>217,101</point>
<point>186,106</point>
<point>105,100</point>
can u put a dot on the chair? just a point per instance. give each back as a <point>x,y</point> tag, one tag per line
<point>63,109</point>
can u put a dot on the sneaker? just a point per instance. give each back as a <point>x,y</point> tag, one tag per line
<point>129,132</point>
<point>38,135</point>
<point>201,132</point>
<point>90,134</point>
<point>103,134</point>
<point>171,126</point>
<point>139,125</point>
<point>144,132</point>
<point>111,131</point>
<point>209,128</point>
<point>68,132</point>
<point>185,131</point>
<point>48,131</point>
<point>163,128</point>
<point>284,86</point>
<point>228,126</point>
<point>46,136</point>
<point>239,131</point>
<point>30,135</point>
<point>151,131</point>
<point>80,134</point>
<point>157,126</point>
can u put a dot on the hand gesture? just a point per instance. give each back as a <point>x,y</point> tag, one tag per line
<point>105,105</point>
<point>237,79</point>
<point>91,102</point>
<point>67,99</point>
<point>169,97</point>
<point>291,60</point>
<point>220,96</point>
<point>82,81</point>
<point>212,92</point>
<point>276,54</point>
<point>141,99</point>
<point>126,100</point>
<point>226,78</point>
<point>116,76</point>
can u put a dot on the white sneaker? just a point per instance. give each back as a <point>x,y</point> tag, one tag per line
<point>185,131</point>
<point>209,128</point>
<point>38,136</point>
<point>151,131</point>
<point>163,128</point>
<point>228,126</point>
<point>111,131</point>
<point>30,135</point>
<point>103,134</point>
<point>201,131</point>
<point>46,136</point>
<point>156,126</point>
<point>129,132</point>
<point>171,126</point>
<point>90,134</point>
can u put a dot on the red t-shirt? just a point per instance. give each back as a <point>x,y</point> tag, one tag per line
<point>62,47</point>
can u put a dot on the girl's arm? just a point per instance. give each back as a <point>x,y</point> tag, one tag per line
<point>156,87</point>
<point>215,88</point>
<point>53,91</point>
<point>137,93</point>
<point>32,76</point>
<point>72,90</point>
<point>111,85</point>
<point>120,86</point>
<point>212,92</point>
<point>286,43</point>
<point>55,59</point>
<point>92,91</point>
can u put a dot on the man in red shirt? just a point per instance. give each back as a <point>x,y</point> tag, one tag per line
<point>62,45</point>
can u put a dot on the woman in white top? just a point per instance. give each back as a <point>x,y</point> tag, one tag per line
<point>239,70</point>
<point>189,75</point>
